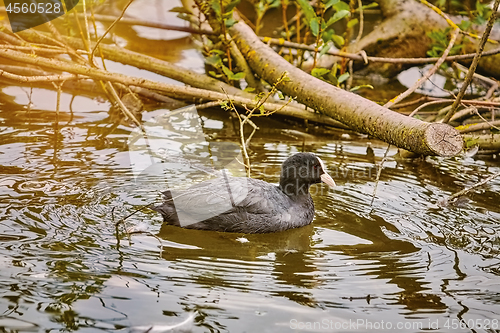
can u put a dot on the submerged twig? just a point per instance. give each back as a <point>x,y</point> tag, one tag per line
<point>117,224</point>
<point>452,197</point>
<point>379,173</point>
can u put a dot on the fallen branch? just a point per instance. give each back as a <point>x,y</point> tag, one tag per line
<point>174,91</point>
<point>145,62</point>
<point>478,127</point>
<point>486,142</point>
<point>350,109</point>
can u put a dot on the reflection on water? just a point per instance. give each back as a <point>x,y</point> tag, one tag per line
<point>403,259</point>
<point>67,178</point>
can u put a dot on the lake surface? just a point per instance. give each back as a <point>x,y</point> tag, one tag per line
<point>396,262</point>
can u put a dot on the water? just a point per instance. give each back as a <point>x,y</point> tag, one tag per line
<point>401,263</point>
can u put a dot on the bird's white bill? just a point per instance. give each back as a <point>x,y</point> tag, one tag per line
<point>325,178</point>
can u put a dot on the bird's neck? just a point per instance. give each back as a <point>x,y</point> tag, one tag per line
<point>293,188</point>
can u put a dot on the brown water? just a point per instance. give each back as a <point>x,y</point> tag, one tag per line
<point>402,263</point>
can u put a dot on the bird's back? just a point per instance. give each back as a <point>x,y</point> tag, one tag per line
<point>236,205</point>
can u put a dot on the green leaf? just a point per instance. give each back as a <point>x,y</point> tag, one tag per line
<point>432,54</point>
<point>343,77</point>
<point>338,40</point>
<point>314,24</point>
<point>319,72</point>
<point>230,6</point>
<point>326,47</point>
<point>327,36</point>
<point>275,4</point>
<point>469,142</point>
<point>217,51</point>
<point>237,76</point>
<point>216,7</point>
<point>215,74</point>
<point>230,22</point>
<point>309,12</point>
<point>480,8</point>
<point>464,25</point>
<point>331,3</point>
<point>213,60</point>
<point>337,16</point>
<point>227,71</point>
<point>180,10</point>
<point>362,86</point>
<point>352,23</point>
<point>371,5</point>
<point>341,6</point>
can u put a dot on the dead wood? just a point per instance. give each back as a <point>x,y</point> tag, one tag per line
<point>350,109</point>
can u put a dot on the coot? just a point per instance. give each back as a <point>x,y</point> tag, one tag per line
<point>237,204</point>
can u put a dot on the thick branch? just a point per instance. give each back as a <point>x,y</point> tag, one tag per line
<point>350,109</point>
<point>489,142</point>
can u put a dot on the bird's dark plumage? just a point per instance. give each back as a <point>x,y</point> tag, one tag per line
<point>237,204</point>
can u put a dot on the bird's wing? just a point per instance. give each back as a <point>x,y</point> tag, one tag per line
<point>222,196</point>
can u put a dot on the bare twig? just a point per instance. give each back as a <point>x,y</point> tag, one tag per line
<point>379,172</point>
<point>467,190</point>
<point>109,29</point>
<point>86,39</point>
<point>242,120</point>
<point>359,57</point>
<point>410,103</point>
<point>479,127</point>
<point>49,50</point>
<point>434,101</point>
<point>48,78</point>
<point>493,83</point>
<point>122,106</point>
<point>117,224</point>
<point>427,75</point>
<point>451,23</point>
<point>431,103</point>
<point>361,21</point>
<point>251,123</point>
<point>129,21</point>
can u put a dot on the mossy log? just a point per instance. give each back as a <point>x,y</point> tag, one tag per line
<point>486,142</point>
<point>350,109</point>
